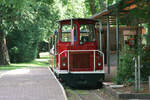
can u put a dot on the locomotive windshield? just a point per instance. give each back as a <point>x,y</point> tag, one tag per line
<point>66,32</point>
<point>87,33</point>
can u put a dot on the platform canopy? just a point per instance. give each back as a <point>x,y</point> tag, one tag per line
<point>122,9</point>
<point>111,16</point>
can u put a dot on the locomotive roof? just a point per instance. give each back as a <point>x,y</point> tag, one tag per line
<point>78,19</point>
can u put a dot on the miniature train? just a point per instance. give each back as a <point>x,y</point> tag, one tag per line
<point>76,57</point>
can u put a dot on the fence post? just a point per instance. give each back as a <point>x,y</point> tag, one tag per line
<point>137,73</point>
<point>136,83</point>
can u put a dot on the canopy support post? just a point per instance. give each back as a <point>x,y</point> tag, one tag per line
<point>117,40</point>
<point>108,44</point>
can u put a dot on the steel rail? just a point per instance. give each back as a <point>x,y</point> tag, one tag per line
<point>78,95</point>
<point>96,94</point>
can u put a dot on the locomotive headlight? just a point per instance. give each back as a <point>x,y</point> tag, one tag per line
<point>64,61</point>
<point>64,64</point>
<point>99,64</point>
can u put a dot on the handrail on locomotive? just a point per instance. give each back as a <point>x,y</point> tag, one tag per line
<point>80,51</point>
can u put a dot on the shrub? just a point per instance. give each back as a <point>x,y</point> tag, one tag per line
<point>126,68</point>
<point>43,46</point>
<point>22,46</point>
<point>145,62</point>
<point>126,71</point>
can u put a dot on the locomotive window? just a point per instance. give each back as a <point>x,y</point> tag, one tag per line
<point>87,33</point>
<point>66,33</point>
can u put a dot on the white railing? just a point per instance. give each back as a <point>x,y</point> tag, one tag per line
<point>68,51</point>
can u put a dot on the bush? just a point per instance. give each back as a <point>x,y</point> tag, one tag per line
<point>126,72</point>
<point>145,61</point>
<point>43,46</point>
<point>126,68</point>
<point>22,46</point>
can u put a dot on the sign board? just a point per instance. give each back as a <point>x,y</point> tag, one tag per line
<point>129,32</point>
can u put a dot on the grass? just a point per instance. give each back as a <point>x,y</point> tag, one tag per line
<point>34,63</point>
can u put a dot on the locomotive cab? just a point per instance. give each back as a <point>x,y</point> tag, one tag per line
<point>76,56</point>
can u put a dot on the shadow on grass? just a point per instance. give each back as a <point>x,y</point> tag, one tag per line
<point>42,62</point>
<point>24,65</point>
<point>44,57</point>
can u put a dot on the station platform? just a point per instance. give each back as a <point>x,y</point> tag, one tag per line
<point>35,83</point>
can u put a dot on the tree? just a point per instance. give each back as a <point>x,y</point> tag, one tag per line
<point>71,8</point>
<point>46,19</point>
<point>6,17</point>
<point>4,58</point>
<point>91,6</point>
<point>102,4</point>
<point>25,23</point>
<point>96,6</point>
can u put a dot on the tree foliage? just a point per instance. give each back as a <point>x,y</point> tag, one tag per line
<point>71,8</point>
<point>96,6</point>
<point>125,73</point>
<point>7,18</point>
<point>26,23</point>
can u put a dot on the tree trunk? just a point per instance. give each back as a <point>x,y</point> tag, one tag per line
<point>102,5</point>
<point>4,57</point>
<point>38,51</point>
<point>92,6</point>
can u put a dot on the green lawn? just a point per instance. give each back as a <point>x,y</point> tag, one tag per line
<point>42,62</point>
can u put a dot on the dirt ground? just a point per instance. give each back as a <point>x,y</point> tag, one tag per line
<point>97,94</point>
<point>106,96</point>
<point>131,89</point>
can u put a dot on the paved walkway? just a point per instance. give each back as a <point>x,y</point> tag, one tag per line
<point>37,83</point>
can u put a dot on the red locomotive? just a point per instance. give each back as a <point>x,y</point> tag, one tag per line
<point>76,58</point>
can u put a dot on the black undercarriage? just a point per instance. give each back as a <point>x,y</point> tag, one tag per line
<point>83,80</point>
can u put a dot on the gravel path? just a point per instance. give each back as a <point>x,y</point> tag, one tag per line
<point>36,83</point>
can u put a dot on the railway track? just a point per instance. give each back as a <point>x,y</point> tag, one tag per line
<point>83,94</point>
